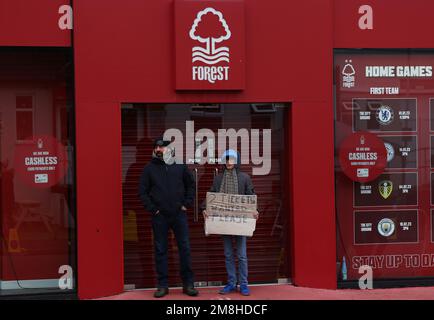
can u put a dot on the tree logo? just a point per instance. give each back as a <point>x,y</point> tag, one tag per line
<point>212,63</point>
<point>210,28</point>
<point>348,73</point>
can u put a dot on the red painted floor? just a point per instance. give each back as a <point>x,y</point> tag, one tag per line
<point>288,292</point>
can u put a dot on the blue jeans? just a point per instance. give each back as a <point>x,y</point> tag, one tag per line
<point>230,261</point>
<point>179,224</point>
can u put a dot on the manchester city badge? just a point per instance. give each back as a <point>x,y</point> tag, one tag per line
<point>386,227</point>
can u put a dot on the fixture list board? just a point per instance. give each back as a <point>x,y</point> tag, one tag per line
<point>385,222</point>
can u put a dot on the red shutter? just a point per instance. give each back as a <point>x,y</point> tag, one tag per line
<point>267,254</point>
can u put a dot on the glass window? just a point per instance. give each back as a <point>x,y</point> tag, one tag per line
<point>384,168</point>
<point>37,213</point>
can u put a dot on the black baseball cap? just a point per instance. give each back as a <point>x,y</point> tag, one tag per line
<point>161,142</point>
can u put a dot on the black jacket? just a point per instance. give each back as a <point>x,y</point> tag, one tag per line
<point>245,185</point>
<point>166,187</point>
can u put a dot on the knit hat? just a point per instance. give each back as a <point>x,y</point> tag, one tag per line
<point>229,154</point>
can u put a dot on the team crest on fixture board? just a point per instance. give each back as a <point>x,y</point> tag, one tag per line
<point>386,227</point>
<point>385,188</point>
<point>385,115</point>
<point>390,151</point>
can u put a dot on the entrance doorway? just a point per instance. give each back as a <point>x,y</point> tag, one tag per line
<point>267,250</point>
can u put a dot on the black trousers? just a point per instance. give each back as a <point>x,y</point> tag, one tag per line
<point>179,225</point>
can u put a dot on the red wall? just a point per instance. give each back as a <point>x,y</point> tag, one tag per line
<point>397,24</point>
<point>127,55</point>
<point>124,52</point>
<point>32,23</point>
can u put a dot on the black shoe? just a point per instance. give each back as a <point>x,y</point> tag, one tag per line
<point>190,291</point>
<point>161,292</point>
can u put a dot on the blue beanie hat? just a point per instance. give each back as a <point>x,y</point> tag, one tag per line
<point>229,154</point>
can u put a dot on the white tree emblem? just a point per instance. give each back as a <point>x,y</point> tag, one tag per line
<point>210,54</point>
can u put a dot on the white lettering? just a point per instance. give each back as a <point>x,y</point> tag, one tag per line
<point>201,146</point>
<point>65,21</point>
<point>398,71</point>
<point>379,71</point>
<point>65,281</point>
<point>365,281</point>
<point>366,21</point>
<point>210,74</point>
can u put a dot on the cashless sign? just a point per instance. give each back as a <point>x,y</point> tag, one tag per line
<point>41,161</point>
<point>363,156</point>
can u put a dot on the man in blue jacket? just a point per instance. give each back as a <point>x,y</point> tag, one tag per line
<point>167,189</point>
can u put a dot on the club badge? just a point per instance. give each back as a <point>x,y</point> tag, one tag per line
<point>390,151</point>
<point>384,115</point>
<point>348,73</point>
<point>386,227</point>
<point>385,188</point>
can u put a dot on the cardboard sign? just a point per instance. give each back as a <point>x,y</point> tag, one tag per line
<point>230,214</point>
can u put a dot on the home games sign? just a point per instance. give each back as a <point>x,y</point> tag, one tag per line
<point>385,221</point>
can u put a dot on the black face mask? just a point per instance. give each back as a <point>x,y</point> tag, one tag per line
<point>159,154</point>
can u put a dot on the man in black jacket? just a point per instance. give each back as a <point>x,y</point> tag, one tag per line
<point>167,189</point>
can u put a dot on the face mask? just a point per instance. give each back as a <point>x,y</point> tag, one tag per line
<point>159,154</point>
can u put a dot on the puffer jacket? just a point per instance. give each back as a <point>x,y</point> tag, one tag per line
<point>166,188</point>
